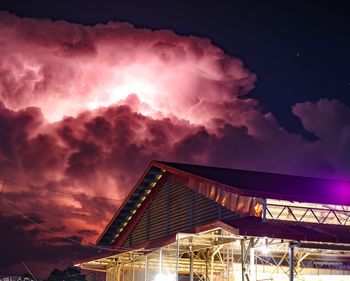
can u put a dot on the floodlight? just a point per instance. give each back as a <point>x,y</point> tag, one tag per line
<point>164,277</point>
<point>264,250</point>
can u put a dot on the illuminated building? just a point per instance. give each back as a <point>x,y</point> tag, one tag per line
<point>188,222</point>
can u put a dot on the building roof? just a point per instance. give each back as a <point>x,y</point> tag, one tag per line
<point>220,181</point>
<point>272,185</point>
<point>313,233</point>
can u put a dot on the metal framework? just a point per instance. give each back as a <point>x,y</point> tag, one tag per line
<point>314,213</point>
<point>218,255</point>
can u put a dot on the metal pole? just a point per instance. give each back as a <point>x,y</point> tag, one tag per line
<point>177,257</point>
<point>118,273</point>
<point>146,261</point>
<point>228,262</point>
<point>207,265</point>
<point>232,260</point>
<point>242,258</point>
<point>212,267</point>
<point>133,266</point>
<point>252,263</point>
<point>191,263</point>
<point>291,262</point>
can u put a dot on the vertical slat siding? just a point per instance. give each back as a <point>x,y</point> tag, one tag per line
<point>158,209</point>
<point>180,207</point>
<point>139,232</point>
<point>178,215</point>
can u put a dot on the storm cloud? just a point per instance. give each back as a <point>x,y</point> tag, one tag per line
<point>83,109</point>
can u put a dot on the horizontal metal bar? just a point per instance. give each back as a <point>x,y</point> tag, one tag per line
<point>302,207</point>
<point>323,246</point>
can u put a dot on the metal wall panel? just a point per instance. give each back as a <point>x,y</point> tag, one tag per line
<point>157,214</point>
<point>167,219</point>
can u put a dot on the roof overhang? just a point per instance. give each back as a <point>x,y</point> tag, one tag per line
<point>101,262</point>
<point>156,172</point>
<point>315,236</point>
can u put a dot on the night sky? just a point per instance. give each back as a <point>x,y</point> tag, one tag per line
<point>91,91</point>
<point>298,49</point>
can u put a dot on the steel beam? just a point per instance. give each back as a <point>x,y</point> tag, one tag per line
<point>191,263</point>
<point>177,257</point>
<point>242,259</point>
<point>324,246</point>
<point>252,263</point>
<point>291,262</point>
<point>146,262</point>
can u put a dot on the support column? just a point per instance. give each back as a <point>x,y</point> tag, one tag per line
<point>133,267</point>
<point>212,267</point>
<point>146,267</point>
<point>291,262</point>
<point>228,262</point>
<point>252,262</point>
<point>119,277</point>
<point>177,257</point>
<point>242,258</point>
<point>207,265</point>
<point>191,263</point>
<point>232,261</point>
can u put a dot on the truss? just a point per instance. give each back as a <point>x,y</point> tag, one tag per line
<point>221,256</point>
<point>314,213</point>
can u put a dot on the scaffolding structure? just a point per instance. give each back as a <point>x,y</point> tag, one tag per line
<point>186,222</point>
<point>219,255</point>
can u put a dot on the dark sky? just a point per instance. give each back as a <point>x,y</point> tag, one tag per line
<point>84,109</point>
<point>298,49</point>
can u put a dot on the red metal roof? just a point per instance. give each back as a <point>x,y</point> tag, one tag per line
<point>245,183</point>
<point>270,185</point>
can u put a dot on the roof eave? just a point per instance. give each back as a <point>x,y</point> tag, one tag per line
<point>125,201</point>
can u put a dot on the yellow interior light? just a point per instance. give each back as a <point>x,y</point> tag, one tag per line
<point>143,198</point>
<point>148,191</point>
<point>138,205</point>
<point>153,184</point>
<point>125,223</point>
<point>128,218</point>
<point>133,211</point>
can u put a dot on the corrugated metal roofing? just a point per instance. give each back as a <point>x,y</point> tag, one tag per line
<point>274,186</point>
<point>247,183</point>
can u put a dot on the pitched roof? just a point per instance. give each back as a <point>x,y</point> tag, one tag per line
<point>272,185</point>
<point>246,183</point>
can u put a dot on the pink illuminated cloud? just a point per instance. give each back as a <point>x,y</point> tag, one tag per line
<point>85,108</point>
<point>65,69</point>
